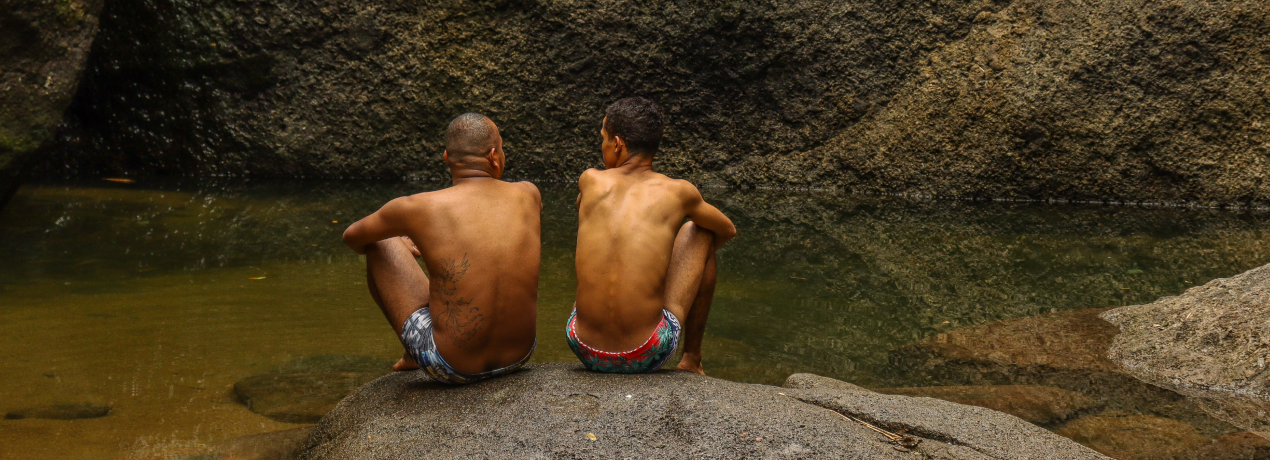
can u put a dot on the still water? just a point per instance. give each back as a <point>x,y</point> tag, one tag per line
<point>155,298</point>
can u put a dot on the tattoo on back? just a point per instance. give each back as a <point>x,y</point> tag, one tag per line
<point>463,318</point>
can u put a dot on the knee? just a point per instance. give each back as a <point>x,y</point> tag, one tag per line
<point>693,230</point>
<point>380,247</point>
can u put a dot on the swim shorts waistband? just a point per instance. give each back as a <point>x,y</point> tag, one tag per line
<point>416,336</point>
<point>649,357</point>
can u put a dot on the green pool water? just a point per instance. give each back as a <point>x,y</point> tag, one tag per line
<point>155,298</point>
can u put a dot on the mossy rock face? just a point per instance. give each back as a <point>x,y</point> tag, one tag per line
<point>44,45</point>
<point>1124,100</point>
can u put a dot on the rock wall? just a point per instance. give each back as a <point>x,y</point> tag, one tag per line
<point>43,47</point>
<point>1125,100</point>
<point>366,88</point>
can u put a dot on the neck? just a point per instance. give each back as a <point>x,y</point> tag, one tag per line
<point>461,174</point>
<point>636,163</point>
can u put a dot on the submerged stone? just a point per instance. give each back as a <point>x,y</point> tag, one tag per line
<point>1243,445</point>
<point>277,445</point>
<point>1136,437</point>
<point>62,412</point>
<point>1037,404</point>
<point>1211,343</point>
<point>303,390</point>
<point>1066,350</point>
<point>558,410</point>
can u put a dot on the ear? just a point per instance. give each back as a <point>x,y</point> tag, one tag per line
<point>445,156</point>
<point>619,150</point>
<point>492,157</point>
<point>495,162</point>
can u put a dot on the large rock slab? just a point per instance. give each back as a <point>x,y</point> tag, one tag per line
<point>1211,343</point>
<point>560,410</point>
<point>305,389</point>
<point>43,47</point>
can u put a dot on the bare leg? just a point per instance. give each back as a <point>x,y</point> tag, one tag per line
<point>690,289</point>
<point>397,284</point>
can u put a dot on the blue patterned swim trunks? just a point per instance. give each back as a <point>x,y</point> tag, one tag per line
<point>416,336</point>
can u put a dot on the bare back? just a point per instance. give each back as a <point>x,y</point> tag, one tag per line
<point>627,224</point>
<point>481,244</point>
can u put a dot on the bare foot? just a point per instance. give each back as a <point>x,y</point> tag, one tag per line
<point>691,363</point>
<point>405,364</point>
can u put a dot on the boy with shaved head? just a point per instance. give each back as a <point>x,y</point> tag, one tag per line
<point>472,315</point>
<point>642,271</point>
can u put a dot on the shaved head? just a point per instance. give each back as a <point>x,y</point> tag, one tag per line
<point>470,135</point>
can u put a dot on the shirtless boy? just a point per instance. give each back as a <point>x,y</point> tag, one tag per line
<point>642,271</point>
<point>471,317</point>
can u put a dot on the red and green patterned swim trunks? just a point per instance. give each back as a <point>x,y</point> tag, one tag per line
<point>646,358</point>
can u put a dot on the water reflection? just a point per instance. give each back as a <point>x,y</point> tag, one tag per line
<point>157,298</point>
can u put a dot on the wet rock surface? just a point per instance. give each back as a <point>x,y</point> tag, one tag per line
<point>43,48</point>
<point>1037,404</point>
<point>561,410</point>
<point>954,98</point>
<point>303,390</point>
<point>61,412</point>
<point>1210,343</point>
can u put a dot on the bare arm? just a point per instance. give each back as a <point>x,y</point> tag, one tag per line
<point>708,217</point>
<point>387,222</point>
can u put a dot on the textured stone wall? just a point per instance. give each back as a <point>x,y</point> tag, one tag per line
<point>43,47</point>
<point>1122,100</point>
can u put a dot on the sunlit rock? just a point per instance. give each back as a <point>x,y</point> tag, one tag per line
<point>1211,343</point>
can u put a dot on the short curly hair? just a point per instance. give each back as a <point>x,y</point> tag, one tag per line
<point>638,121</point>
